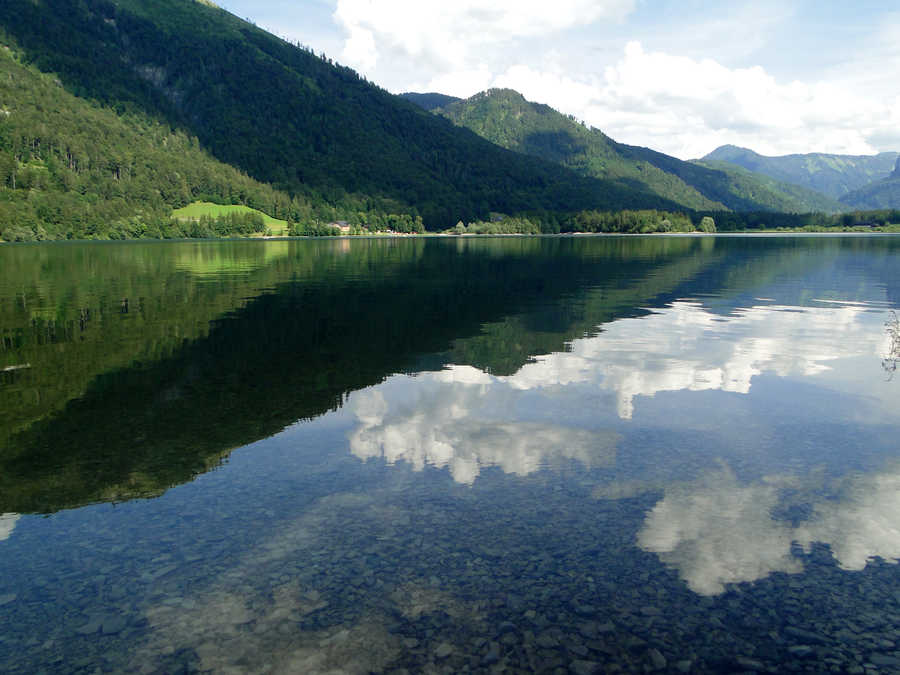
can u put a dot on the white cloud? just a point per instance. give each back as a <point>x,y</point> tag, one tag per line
<point>668,75</point>
<point>461,83</point>
<point>360,49</point>
<point>447,34</point>
<point>687,107</point>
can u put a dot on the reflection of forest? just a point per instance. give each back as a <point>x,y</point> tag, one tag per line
<point>232,342</point>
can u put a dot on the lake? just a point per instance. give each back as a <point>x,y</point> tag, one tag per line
<point>444,455</point>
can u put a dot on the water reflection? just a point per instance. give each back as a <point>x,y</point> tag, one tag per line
<point>714,527</point>
<point>717,530</point>
<point>227,343</point>
<point>7,524</point>
<point>539,455</point>
<point>686,347</point>
<point>464,419</point>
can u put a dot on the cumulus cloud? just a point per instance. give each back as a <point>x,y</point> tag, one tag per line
<point>671,77</point>
<point>687,107</point>
<point>684,102</point>
<point>447,34</point>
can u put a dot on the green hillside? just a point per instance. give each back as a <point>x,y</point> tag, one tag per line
<point>506,118</point>
<point>288,117</point>
<point>881,194</point>
<point>778,195</point>
<point>198,210</point>
<point>70,168</point>
<point>832,175</point>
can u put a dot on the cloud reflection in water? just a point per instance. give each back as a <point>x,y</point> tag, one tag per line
<point>717,531</point>
<point>451,423</point>
<point>714,528</point>
<point>7,524</point>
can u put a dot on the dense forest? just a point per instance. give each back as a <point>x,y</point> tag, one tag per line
<point>316,133</point>
<point>70,168</point>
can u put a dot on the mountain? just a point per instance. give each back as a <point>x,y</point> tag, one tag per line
<point>505,117</point>
<point>70,168</point>
<point>287,117</point>
<point>832,175</point>
<point>777,195</point>
<point>881,194</point>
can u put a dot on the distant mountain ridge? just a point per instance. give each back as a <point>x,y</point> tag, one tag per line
<point>505,117</point>
<point>830,174</point>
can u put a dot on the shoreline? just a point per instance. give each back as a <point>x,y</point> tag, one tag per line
<point>441,235</point>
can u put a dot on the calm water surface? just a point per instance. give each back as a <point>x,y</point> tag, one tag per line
<point>669,454</point>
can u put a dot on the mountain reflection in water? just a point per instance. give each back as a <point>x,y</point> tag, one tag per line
<point>540,454</point>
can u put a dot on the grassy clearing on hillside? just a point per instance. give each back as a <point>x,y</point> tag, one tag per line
<point>193,211</point>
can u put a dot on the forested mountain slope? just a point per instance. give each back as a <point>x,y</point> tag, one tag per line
<point>288,117</point>
<point>832,175</point>
<point>881,194</point>
<point>777,195</point>
<point>505,117</point>
<point>70,168</point>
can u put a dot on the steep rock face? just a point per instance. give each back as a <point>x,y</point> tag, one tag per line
<point>896,172</point>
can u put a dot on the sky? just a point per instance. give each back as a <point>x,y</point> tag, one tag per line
<point>682,77</point>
